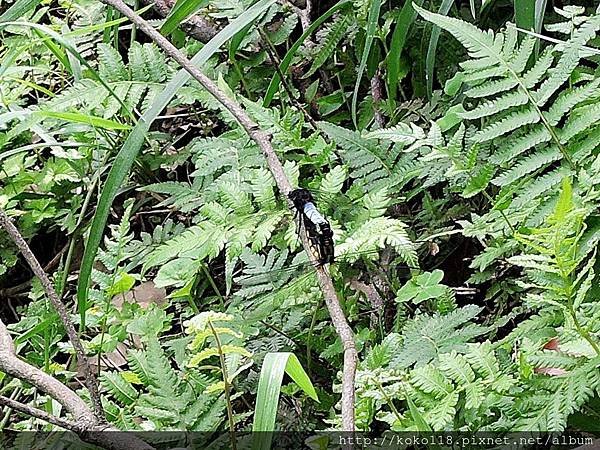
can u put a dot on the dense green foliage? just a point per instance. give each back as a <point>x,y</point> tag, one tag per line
<point>461,182</point>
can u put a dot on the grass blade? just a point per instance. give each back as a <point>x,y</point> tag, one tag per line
<point>372,21</point>
<point>418,418</point>
<point>96,122</point>
<point>431,50</point>
<point>287,59</point>
<point>55,50</point>
<point>540,10</point>
<point>403,24</point>
<point>124,159</point>
<point>269,390</point>
<point>525,14</point>
<point>18,10</point>
<point>181,11</point>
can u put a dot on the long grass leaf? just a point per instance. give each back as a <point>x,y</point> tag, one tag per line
<point>372,21</point>
<point>525,14</point>
<point>18,10</point>
<point>418,418</point>
<point>540,10</point>
<point>403,24</point>
<point>432,48</point>
<point>269,390</point>
<point>96,122</point>
<point>124,159</point>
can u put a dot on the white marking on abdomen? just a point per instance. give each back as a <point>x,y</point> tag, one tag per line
<point>313,215</point>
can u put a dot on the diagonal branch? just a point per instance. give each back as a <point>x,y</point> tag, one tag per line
<point>85,424</point>
<point>90,379</point>
<point>34,412</point>
<point>263,140</point>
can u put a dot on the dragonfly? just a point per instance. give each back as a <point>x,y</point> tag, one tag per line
<point>317,228</point>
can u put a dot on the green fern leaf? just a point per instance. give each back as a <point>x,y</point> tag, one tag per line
<point>509,123</point>
<point>528,165</point>
<point>457,368</point>
<point>490,107</point>
<point>515,146</point>
<point>479,44</point>
<point>431,380</point>
<point>122,390</point>
<point>111,67</point>
<point>328,42</point>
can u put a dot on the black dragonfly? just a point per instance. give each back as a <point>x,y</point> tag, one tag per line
<point>317,228</point>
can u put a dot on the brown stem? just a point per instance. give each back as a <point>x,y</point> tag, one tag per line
<point>263,140</point>
<point>377,95</point>
<point>90,380</point>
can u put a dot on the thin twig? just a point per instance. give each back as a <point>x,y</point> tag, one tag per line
<point>38,413</point>
<point>263,140</point>
<point>13,290</point>
<point>226,387</point>
<point>90,380</point>
<point>591,50</point>
<point>268,46</point>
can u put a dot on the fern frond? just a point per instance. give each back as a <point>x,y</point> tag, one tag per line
<point>457,367</point>
<point>364,157</point>
<point>568,60</point>
<point>375,234</point>
<point>509,123</point>
<point>401,133</point>
<point>122,390</point>
<point>491,88</point>
<point>479,44</point>
<point>515,146</point>
<point>328,41</point>
<point>431,380</point>
<point>111,67</point>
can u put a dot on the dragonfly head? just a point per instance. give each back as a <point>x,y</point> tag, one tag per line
<point>300,197</point>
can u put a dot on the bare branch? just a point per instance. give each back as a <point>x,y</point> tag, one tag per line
<point>263,140</point>
<point>90,379</point>
<point>12,365</point>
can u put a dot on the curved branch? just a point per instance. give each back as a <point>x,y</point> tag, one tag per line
<point>90,378</point>
<point>263,140</point>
